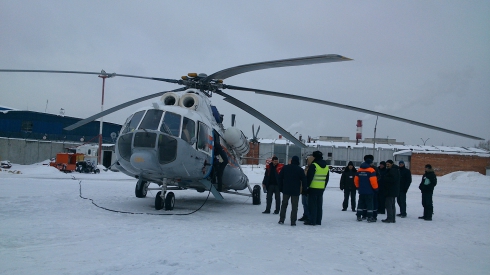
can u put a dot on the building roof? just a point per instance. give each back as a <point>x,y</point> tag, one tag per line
<point>4,108</point>
<point>396,147</point>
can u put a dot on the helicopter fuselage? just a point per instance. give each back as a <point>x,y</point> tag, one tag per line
<point>172,142</point>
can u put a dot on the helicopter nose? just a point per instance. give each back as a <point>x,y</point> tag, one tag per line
<point>144,159</point>
<point>150,151</point>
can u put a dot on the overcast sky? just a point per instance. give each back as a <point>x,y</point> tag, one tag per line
<point>427,61</point>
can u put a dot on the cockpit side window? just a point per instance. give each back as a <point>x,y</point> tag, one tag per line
<point>203,137</point>
<point>132,122</point>
<point>171,124</point>
<point>151,120</point>
<point>188,129</point>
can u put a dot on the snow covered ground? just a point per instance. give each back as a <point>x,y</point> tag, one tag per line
<point>46,228</point>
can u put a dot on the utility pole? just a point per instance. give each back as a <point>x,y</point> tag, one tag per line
<point>103,75</point>
<point>374,140</point>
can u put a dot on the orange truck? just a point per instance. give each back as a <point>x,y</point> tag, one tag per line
<point>67,162</point>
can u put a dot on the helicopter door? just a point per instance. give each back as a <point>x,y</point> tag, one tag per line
<point>204,138</point>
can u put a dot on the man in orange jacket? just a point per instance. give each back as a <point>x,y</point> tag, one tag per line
<point>367,185</point>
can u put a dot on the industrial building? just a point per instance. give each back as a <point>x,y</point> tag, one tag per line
<point>339,151</point>
<point>28,137</point>
<point>37,126</point>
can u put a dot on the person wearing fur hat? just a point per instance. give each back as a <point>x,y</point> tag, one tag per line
<point>392,181</point>
<point>367,185</point>
<point>405,181</point>
<point>317,180</point>
<point>429,181</point>
<point>291,178</point>
<point>348,186</point>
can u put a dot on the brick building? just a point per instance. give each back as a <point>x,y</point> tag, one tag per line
<point>445,163</point>
<point>445,159</point>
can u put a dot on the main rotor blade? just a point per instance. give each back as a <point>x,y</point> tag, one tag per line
<point>276,64</point>
<point>261,117</point>
<point>80,72</point>
<point>117,108</point>
<point>348,107</point>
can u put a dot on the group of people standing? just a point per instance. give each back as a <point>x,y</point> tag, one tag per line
<point>293,181</point>
<point>378,188</point>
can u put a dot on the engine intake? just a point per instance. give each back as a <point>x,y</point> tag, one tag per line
<point>170,99</point>
<point>189,101</point>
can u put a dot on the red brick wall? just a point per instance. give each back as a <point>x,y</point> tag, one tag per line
<point>253,154</point>
<point>445,163</point>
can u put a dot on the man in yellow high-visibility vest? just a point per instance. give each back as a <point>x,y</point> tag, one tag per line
<point>317,180</point>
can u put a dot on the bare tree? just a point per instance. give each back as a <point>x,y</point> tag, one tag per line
<point>484,145</point>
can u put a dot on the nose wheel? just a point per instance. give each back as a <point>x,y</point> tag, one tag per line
<point>163,199</point>
<point>170,201</point>
<point>141,188</point>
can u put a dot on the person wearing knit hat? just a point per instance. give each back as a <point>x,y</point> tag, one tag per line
<point>317,179</point>
<point>348,186</point>
<point>271,184</point>
<point>367,185</point>
<point>291,178</point>
<point>405,181</point>
<point>429,181</point>
<point>381,187</point>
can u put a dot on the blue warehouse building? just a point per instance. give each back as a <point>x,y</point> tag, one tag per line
<point>43,126</point>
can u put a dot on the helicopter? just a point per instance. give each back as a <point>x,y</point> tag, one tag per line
<point>180,142</point>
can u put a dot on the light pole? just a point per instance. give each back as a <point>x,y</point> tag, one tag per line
<point>374,140</point>
<point>103,75</point>
<point>424,140</point>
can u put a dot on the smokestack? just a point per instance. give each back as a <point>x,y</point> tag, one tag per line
<point>358,131</point>
<point>232,120</point>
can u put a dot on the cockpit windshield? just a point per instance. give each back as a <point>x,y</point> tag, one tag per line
<point>171,124</point>
<point>151,120</point>
<point>132,122</point>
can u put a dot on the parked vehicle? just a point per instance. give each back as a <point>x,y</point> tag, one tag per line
<point>5,164</point>
<point>66,162</point>
<point>87,167</point>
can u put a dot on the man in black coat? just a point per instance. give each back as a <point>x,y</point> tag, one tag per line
<point>392,183</point>
<point>381,187</point>
<point>348,186</point>
<point>405,181</point>
<point>291,178</point>
<point>429,181</point>
<point>271,184</point>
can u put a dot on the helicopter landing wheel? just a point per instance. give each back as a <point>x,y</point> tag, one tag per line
<point>141,189</point>
<point>170,201</point>
<point>256,195</point>
<point>159,202</point>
